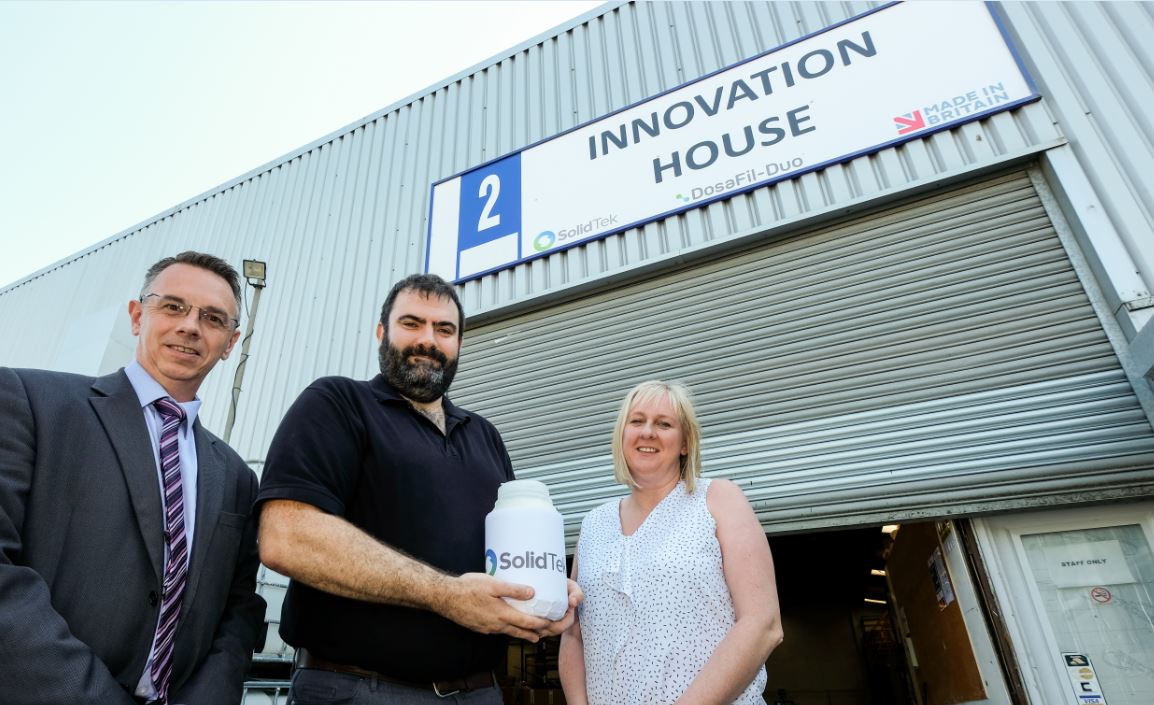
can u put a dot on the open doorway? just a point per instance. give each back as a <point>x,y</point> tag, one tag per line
<point>884,615</point>
<point>841,642</point>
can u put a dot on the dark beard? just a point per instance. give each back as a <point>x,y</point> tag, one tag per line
<point>423,382</point>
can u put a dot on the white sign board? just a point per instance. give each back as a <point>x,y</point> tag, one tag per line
<point>888,76</point>
<point>1089,564</point>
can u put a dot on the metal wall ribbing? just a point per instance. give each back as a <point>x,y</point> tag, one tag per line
<point>936,358</point>
<point>342,218</point>
<point>1094,64</point>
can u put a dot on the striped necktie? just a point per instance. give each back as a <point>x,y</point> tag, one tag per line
<point>176,567</point>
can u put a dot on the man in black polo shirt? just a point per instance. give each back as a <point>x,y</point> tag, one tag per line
<point>373,502</point>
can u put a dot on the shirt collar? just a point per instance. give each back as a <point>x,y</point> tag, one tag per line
<point>387,392</point>
<point>149,390</point>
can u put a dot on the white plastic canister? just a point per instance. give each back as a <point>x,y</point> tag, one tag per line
<point>525,543</point>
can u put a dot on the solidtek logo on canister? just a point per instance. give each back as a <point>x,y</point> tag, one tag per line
<point>525,540</point>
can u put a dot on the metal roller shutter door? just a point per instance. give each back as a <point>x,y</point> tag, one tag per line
<point>936,358</point>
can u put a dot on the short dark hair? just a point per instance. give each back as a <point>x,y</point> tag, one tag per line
<point>426,285</point>
<point>216,265</point>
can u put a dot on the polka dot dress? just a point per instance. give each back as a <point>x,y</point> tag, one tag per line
<point>656,603</point>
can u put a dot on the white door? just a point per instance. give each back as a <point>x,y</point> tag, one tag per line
<point>1077,590</point>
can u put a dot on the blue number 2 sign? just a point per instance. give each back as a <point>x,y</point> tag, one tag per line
<point>489,229</point>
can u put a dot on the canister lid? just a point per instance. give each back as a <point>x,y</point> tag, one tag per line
<point>524,489</point>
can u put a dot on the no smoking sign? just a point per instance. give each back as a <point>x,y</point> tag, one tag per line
<point>1100,595</point>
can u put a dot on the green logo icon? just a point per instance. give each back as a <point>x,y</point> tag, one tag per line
<point>544,240</point>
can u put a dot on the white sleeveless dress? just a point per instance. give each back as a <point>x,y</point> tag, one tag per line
<point>656,602</point>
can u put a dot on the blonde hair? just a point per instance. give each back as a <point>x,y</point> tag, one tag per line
<point>682,402</point>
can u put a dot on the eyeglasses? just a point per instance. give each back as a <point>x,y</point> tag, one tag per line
<point>175,308</point>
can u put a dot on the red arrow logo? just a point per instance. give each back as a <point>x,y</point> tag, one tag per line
<point>910,122</point>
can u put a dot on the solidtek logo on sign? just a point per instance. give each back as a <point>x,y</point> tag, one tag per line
<point>544,240</point>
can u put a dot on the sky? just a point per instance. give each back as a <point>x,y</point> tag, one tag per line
<point>113,112</point>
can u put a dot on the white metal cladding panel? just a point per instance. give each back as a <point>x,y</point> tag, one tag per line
<point>1094,62</point>
<point>332,251</point>
<point>934,358</point>
<point>344,217</point>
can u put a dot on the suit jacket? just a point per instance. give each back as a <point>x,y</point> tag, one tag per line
<point>81,550</point>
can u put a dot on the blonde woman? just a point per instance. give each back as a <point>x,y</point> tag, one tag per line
<point>680,599</point>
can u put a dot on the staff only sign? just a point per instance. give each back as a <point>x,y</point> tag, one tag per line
<point>888,76</point>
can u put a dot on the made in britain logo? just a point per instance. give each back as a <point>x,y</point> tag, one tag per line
<point>544,240</point>
<point>491,559</point>
<point>910,122</point>
<point>952,108</point>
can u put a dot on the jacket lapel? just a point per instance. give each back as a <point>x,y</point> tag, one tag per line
<point>210,477</point>
<point>118,408</point>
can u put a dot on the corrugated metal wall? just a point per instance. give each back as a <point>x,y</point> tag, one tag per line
<point>344,217</point>
<point>937,358</point>
<point>1094,63</point>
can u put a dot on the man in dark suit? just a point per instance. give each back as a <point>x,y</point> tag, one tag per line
<point>127,540</point>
